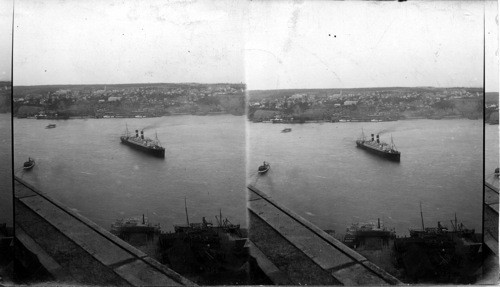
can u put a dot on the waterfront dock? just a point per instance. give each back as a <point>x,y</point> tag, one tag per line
<point>66,248</point>
<point>292,251</point>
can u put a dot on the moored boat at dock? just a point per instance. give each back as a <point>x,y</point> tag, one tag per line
<point>372,235</point>
<point>379,148</point>
<point>374,241</point>
<point>201,250</point>
<point>438,254</point>
<point>142,143</point>
<point>125,228</point>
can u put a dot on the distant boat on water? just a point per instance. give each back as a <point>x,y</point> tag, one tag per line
<point>51,126</point>
<point>287,130</point>
<point>29,164</point>
<point>264,168</point>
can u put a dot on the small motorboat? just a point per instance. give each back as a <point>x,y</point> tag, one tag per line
<point>51,126</point>
<point>29,164</point>
<point>287,130</point>
<point>264,168</point>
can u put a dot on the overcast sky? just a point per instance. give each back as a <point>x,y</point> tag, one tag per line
<point>320,44</point>
<point>267,44</point>
<point>5,39</point>
<point>492,60</point>
<point>87,42</point>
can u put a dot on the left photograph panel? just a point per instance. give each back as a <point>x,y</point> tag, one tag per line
<point>6,213</point>
<point>129,143</point>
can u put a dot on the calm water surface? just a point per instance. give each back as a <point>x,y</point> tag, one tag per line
<point>5,170</point>
<point>318,172</point>
<point>491,153</point>
<point>82,164</point>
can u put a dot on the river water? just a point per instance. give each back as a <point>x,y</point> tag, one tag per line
<point>491,153</point>
<point>318,172</point>
<point>82,164</point>
<point>5,170</point>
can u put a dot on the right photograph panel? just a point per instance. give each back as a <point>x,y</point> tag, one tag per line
<point>365,141</point>
<point>491,147</point>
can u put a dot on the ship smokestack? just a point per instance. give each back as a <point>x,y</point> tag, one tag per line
<point>372,137</point>
<point>143,222</point>
<point>378,140</point>
<point>142,134</point>
<point>378,224</point>
<point>136,133</point>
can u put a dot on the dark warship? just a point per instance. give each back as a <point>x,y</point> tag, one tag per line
<point>207,253</point>
<point>439,255</point>
<point>152,147</point>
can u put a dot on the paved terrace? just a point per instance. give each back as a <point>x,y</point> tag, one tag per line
<point>75,250</point>
<point>490,217</point>
<point>292,251</point>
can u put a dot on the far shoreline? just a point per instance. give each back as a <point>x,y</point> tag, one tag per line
<point>249,120</point>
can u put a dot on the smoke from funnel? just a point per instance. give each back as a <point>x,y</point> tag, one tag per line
<point>151,126</point>
<point>388,130</point>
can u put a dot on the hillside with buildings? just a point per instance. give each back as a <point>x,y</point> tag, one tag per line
<point>128,100</point>
<point>5,97</point>
<point>366,104</point>
<point>491,108</point>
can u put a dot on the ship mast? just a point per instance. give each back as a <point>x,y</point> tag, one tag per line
<point>454,224</point>
<point>157,140</point>
<point>422,217</point>
<point>185,207</point>
<point>126,130</point>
